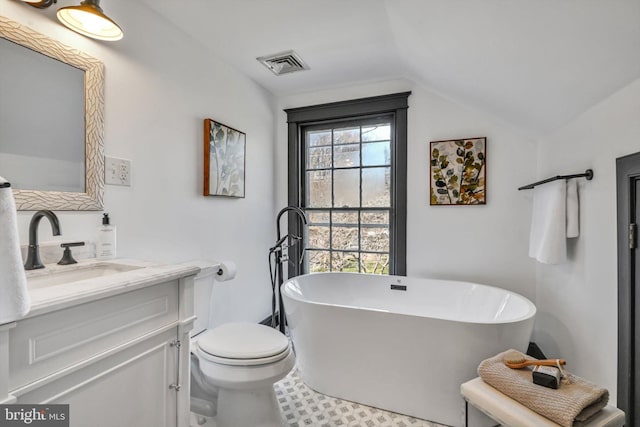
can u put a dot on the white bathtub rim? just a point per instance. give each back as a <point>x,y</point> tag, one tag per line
<point>530,313</point>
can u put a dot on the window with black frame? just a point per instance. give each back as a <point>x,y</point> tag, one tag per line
<point>348,173</point>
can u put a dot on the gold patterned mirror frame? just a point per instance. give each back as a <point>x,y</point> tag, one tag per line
<point>92,198</point>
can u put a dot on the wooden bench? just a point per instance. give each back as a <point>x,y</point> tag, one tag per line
<point>510,413</point>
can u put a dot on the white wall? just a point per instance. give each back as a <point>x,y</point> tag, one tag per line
<point>160,85</point>
<point>484,244</point>
<point>577,301</point>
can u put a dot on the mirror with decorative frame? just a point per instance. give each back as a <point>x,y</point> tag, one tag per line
<point>51,113</point>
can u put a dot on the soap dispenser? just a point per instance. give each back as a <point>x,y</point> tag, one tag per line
<point>106,241</point>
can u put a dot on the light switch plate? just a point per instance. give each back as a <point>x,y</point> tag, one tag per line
<point>117,171</point>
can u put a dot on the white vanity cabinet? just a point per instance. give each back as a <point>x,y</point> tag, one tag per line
<point>118,360</point>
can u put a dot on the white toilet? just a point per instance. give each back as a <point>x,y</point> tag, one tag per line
<point>235,363</point>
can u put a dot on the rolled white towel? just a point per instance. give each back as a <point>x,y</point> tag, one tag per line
<point>15,302</point>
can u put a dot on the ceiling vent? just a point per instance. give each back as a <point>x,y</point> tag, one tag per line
<point>283,62</point>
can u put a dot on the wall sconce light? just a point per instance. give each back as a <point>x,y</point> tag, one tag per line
<point>87,19</point>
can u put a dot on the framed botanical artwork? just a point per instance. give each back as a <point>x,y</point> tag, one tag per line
<point>224,160</point>
<point>458,171</point>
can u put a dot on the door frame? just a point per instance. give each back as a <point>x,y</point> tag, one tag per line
<point>627,183</point>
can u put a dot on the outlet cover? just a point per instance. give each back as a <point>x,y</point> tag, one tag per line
<point>117,171</point>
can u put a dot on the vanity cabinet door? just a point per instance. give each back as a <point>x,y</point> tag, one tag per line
<point>59,341</point>
<point>129,388</point>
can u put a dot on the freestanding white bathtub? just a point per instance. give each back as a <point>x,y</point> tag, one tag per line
<point>405,350</point>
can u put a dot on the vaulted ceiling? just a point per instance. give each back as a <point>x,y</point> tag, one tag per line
<point>535,64</point>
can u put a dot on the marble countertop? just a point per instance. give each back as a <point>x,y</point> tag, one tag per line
<point>45,299</point>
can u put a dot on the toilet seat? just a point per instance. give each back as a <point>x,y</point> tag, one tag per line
<point>242,362</point>
<point>243,344</point>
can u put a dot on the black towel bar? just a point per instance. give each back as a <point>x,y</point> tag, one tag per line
<point>587,174</point>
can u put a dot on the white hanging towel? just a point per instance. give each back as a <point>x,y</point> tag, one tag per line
<point>573,209</point>
<point>548,237</point>
<point>14,296</point>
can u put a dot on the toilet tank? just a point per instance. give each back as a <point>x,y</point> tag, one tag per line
<point>203,287</point>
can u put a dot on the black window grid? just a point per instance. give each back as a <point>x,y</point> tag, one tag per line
<point>333,209</point>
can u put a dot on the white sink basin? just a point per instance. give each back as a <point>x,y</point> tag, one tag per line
<point>68,274</point>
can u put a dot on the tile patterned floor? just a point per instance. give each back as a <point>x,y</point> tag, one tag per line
<point>301,406</point>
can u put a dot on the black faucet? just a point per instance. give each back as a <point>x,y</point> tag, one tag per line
<point>33,255</point>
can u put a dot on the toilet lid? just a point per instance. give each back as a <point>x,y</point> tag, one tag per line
<point>243,341</point>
